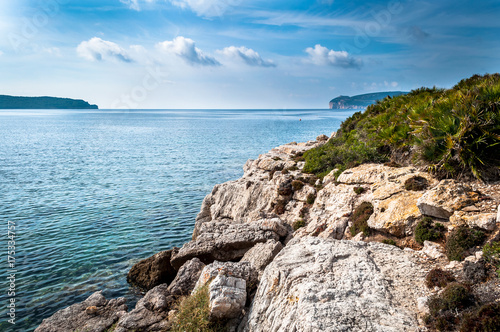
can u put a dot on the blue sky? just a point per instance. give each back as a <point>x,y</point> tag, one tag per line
<point>240,53</point>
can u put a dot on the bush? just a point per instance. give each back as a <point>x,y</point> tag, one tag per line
<point>416,183</point>
<point>360,217</point>
<point>491,253</point>
<point>453,132</point>
<point>298,224</point>
<point>193,313</point>
<point>462,239</point>
<point>439,278</point>
<point>427,231</point>
<point>456,296</point>
<point>359,190</point>
<point>310,199</point>
<point>297,185</point>
<point>485,319</point>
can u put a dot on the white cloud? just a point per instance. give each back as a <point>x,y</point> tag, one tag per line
<point>186,49</point>
<point>135,4</point>
<point>97,49</point>
<point>55,51</point>
<point>207,8</point>
<point>322,56</point>
<point>249,56</point>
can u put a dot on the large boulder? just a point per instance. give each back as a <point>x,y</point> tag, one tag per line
<point>95,314</point>
<point>486,221</point>
<point>225,240</point>
<point>445,198</point>
<point>152,271</point>
<point>227,296</point>
<point>336,285</point>
<point>241,270</point>
<point>262,254</point>
<point>150,313</point>
<point>396,214</point>
<point>253,195</point>
<point>186,278</point>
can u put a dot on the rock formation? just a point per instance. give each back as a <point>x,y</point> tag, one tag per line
<point>278,251</point>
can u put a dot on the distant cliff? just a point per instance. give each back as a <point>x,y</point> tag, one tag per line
<point>361,101</point>
<point>11,102</point>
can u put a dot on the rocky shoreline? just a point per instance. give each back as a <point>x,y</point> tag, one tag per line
<point>280,250</point>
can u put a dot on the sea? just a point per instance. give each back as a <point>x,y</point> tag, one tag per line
<point>85,194</point>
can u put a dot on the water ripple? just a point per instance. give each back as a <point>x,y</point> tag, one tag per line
<point>93,192</point>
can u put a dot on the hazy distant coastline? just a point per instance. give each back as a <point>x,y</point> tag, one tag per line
<point>12,102</point>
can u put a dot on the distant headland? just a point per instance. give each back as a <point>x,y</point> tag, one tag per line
<point>11,102</point>
<point>361,101</point>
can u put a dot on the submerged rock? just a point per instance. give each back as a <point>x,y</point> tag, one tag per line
<point>330,285</point>
<point>95,314</point>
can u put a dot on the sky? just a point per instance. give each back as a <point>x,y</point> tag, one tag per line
<point>270,54</point>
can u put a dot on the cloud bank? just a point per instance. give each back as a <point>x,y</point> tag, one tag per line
<point>97,49</point>
<point>321,56</point>
<point>186,49</point>
<point>249,56</point>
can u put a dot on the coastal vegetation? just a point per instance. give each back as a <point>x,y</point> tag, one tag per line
<point>360,217</point>
<point>460,240</point>
<point>193,313</point>
<point>426,230</point>
<point>452,132</point>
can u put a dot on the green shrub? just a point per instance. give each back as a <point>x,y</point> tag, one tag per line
<point>299,224</point>
<point>310,199</point>
<point>462,239</point>
<point>484,319</point>
<point>427,231</point>
<point>416,183</point>
<point>455,296</point>
<point>453,132</point>
<point>292,168</point>
<point>359,190</point>
<point>360,217</point>
<point>297,185</point>
<point>439,278</point>
<point>491,253</point>
<point>193,313</point>
<point>389,241</point>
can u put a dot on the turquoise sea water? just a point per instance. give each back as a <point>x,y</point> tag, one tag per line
<point>92,192</point>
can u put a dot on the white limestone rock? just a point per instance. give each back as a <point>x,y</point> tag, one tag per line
<point>433,250</point>
<point>227,296</point>
<point>446,198</point>
<point>330,285</point>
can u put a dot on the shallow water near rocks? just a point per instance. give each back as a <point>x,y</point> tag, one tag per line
<point>91,192</point>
